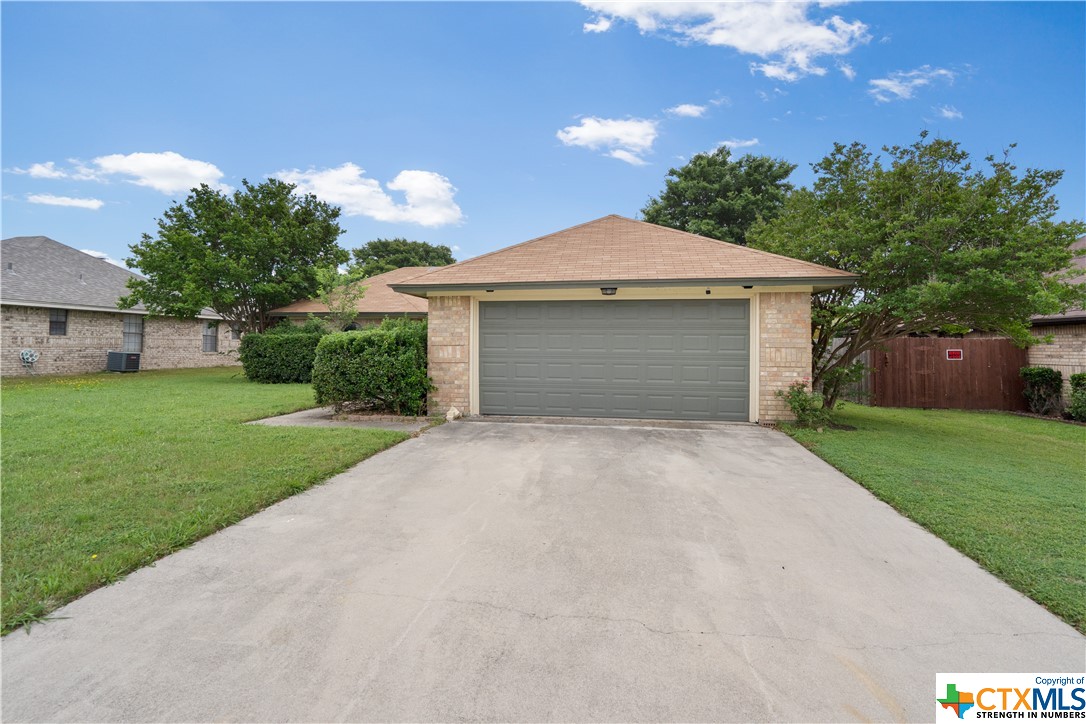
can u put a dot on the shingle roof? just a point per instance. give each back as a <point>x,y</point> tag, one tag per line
<point>617,249</point>
<point>379,298</point>
<point>38,271</point>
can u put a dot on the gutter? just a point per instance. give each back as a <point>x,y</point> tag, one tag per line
<point>422,290</point>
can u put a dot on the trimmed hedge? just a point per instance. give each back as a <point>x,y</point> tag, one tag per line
<point>282,354</point>
<point>384,367</point>
<point>1044,389</point>
<point>1078,382</point>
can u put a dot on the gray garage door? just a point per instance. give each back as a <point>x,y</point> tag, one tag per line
<point>671,360</point>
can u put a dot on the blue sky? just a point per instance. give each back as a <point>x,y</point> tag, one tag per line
<point>485,124</point>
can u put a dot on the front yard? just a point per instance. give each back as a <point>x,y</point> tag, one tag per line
<point>105,473</point>
<point>1007,491</point>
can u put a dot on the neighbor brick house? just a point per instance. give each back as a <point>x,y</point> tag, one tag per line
<point>1067,350</point>
<point>621,318</point>
<point>62,303</point>
<point>379,302</point>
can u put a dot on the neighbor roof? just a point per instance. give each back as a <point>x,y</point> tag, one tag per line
<point>40,272</point>
<point>379,298</point>
<point>616,250</point>
<point>1078,263</point>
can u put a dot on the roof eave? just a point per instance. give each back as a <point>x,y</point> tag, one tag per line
<point>819,283</point>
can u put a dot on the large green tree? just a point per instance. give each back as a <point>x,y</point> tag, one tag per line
<point>241,254</point>
<point>938,244</point>
<point>384,255</point>
<point>717,196</point>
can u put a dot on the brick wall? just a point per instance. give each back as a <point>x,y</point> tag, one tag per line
<point>449,350</point>
<point>1066,353</point>
<point>784,349</point>
<point>167,342</point>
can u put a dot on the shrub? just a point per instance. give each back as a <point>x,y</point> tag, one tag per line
<point>383,367</point>
<point>279,355</point>
<point>1077,408</point>
<point>805,404</point>
<point>1044,389</point>
<point>1078,382</point>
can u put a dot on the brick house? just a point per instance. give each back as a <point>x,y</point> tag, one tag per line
<point>621,318</point>
<point>62,303</point>
<point>379,302</point>
<point>1067,350</point>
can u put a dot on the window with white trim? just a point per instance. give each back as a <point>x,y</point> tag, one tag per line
<point>211,337</point>
<point>132,335</point>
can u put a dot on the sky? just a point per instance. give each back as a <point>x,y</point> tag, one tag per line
<point>480,125</point>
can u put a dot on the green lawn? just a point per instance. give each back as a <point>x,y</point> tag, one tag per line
<point>105,473</point>
<point>1007,491</point>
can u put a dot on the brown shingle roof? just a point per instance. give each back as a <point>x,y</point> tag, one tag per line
<point>617,249</point>
<point>379,298</point>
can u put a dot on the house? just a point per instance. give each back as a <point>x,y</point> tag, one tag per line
<point>62,303</point>
<point>621,318</point>
<point>1067,350</point>
<point>379,302</point>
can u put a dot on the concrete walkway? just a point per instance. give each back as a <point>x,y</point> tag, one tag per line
<point>323,417</point>
<point>528,572</point>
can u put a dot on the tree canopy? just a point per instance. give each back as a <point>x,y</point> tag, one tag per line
<point>241,254</point>
<point>719,197</point>
<point>384,255</point>
<point>939,247</point>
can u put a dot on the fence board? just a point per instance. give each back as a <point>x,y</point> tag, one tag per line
<point>915,372</point>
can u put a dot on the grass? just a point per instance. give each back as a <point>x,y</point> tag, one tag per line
<point>105,473</point>
<point>1007,491</point>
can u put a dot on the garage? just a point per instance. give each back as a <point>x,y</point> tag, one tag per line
<point>675,359</point>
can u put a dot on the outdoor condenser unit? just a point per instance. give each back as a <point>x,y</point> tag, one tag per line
<point>123,362</point>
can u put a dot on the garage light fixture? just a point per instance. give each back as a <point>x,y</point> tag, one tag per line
<point>609,291</point>
<point>748,286</point>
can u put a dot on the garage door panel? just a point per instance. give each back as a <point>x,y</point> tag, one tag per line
<point>668,359</point>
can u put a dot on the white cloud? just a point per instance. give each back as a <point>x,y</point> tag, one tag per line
<point>51,200</point>
<point>104,257</point>
<point>903,84</point>
<point>783,34</point>
<point>625,139</point>
<point>41,170</point>
<point>734,143</point>
<point>602,25</point>
<point>687,110</point>
<point>949,112</point>
<point>167,172</point>
<point>455,248</point>
<point>846,70</point>
<point>429,196</point>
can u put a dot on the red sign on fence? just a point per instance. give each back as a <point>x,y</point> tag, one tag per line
<point>954,355</point>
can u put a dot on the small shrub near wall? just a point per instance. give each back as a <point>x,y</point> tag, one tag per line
<point>1044,389</point>
<point>383,368</point>
<point>282,354</point>
<point>1077,409</point>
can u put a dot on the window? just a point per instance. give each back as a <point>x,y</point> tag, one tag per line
<point>133,333</point>
<point>235,331</point>
<point>58,322</point>
<point>211,337</point>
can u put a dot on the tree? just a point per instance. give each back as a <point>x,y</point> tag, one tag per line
<point>341,294</point>
<point>242,255</point>
<point>716,196</point>
<point>384,255</point>
<point>939,247</point>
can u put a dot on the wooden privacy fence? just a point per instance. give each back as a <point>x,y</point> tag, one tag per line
<point>977,374</point>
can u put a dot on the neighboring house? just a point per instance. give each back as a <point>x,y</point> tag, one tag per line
<point>621,318</point>
<point>1067,351</point>
<point>62,303</point>
<point>380,300</point>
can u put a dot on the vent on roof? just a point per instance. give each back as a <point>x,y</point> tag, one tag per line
<point>11,267</point>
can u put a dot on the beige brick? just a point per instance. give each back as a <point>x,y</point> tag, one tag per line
<point>449,350</point>
<point>784,349</point>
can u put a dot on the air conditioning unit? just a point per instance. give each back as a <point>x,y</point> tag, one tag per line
<point>123,361</point>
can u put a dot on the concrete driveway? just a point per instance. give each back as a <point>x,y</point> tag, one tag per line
<point>489,571</point>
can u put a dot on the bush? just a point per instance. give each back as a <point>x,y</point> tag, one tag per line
<point>805,404</point>
<point>1044,389</point>
<point>383,367</point>
<point>1078,382</point>
<point>1077,408</point>
<point>279,355</point>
